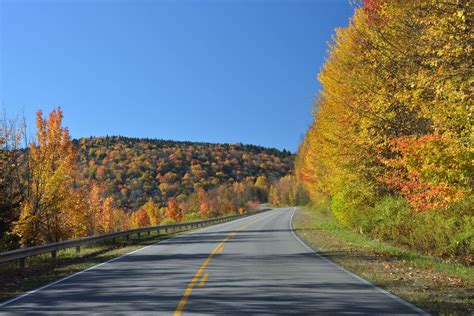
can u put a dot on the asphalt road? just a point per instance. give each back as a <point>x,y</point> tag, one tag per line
<point>254,265</point>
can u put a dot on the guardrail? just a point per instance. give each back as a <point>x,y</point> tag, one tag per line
<point>23,253</point>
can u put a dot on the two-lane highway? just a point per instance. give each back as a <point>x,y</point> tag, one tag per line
<point>254,265</point>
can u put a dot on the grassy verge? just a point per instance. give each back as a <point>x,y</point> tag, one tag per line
<point>41,269</point>
<point>437,286</point>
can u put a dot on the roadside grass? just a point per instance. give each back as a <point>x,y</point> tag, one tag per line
<point>437,286</point>
<point>42,269</point>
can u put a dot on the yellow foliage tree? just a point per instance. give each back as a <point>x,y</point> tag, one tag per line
<point>152,210</point>
<point>395,113</point>
<point>47,211</point>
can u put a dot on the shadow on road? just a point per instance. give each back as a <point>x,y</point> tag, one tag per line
<point>278,276</point>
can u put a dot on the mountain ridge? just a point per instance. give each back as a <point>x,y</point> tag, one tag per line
<point>132,170</point>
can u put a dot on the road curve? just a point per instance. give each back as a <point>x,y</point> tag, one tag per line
<point>254,265</point>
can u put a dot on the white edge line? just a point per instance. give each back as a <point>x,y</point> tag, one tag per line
<point>2,304</point>
<point>398,299</point>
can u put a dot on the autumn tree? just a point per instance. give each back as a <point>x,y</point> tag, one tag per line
<point>141,218</point>
<point>262,184</point>
<point>172,211</point>
<point>152,210</point>
<point>287,192</point>
<point>85,204</point>
<point>203,200</point>
<point>45,214</point>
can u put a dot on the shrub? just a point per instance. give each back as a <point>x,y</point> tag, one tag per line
<point>168,221</point>
<point>351,204</point>
<point>192,217</point>
<point>447,232</point>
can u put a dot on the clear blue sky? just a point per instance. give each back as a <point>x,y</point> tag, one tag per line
<point>200,70</point>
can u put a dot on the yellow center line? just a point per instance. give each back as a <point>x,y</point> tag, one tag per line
<point>204,279</point>
<point>218,248</point>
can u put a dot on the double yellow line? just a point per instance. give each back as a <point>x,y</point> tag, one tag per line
<point>199,273</point>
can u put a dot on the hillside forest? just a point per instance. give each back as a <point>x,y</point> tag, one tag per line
<point>53,188</point>
<point>390,152</point>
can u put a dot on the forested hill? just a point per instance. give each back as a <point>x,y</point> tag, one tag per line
<point>132,170</point>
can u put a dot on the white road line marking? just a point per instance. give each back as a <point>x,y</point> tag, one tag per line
<point>396,298</point>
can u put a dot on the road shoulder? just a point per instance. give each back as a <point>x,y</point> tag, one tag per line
<point>438,287</point>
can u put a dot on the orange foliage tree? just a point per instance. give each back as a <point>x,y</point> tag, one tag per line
<point>204,207</point>
<point>172,211</point>
<point>141,218</point>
